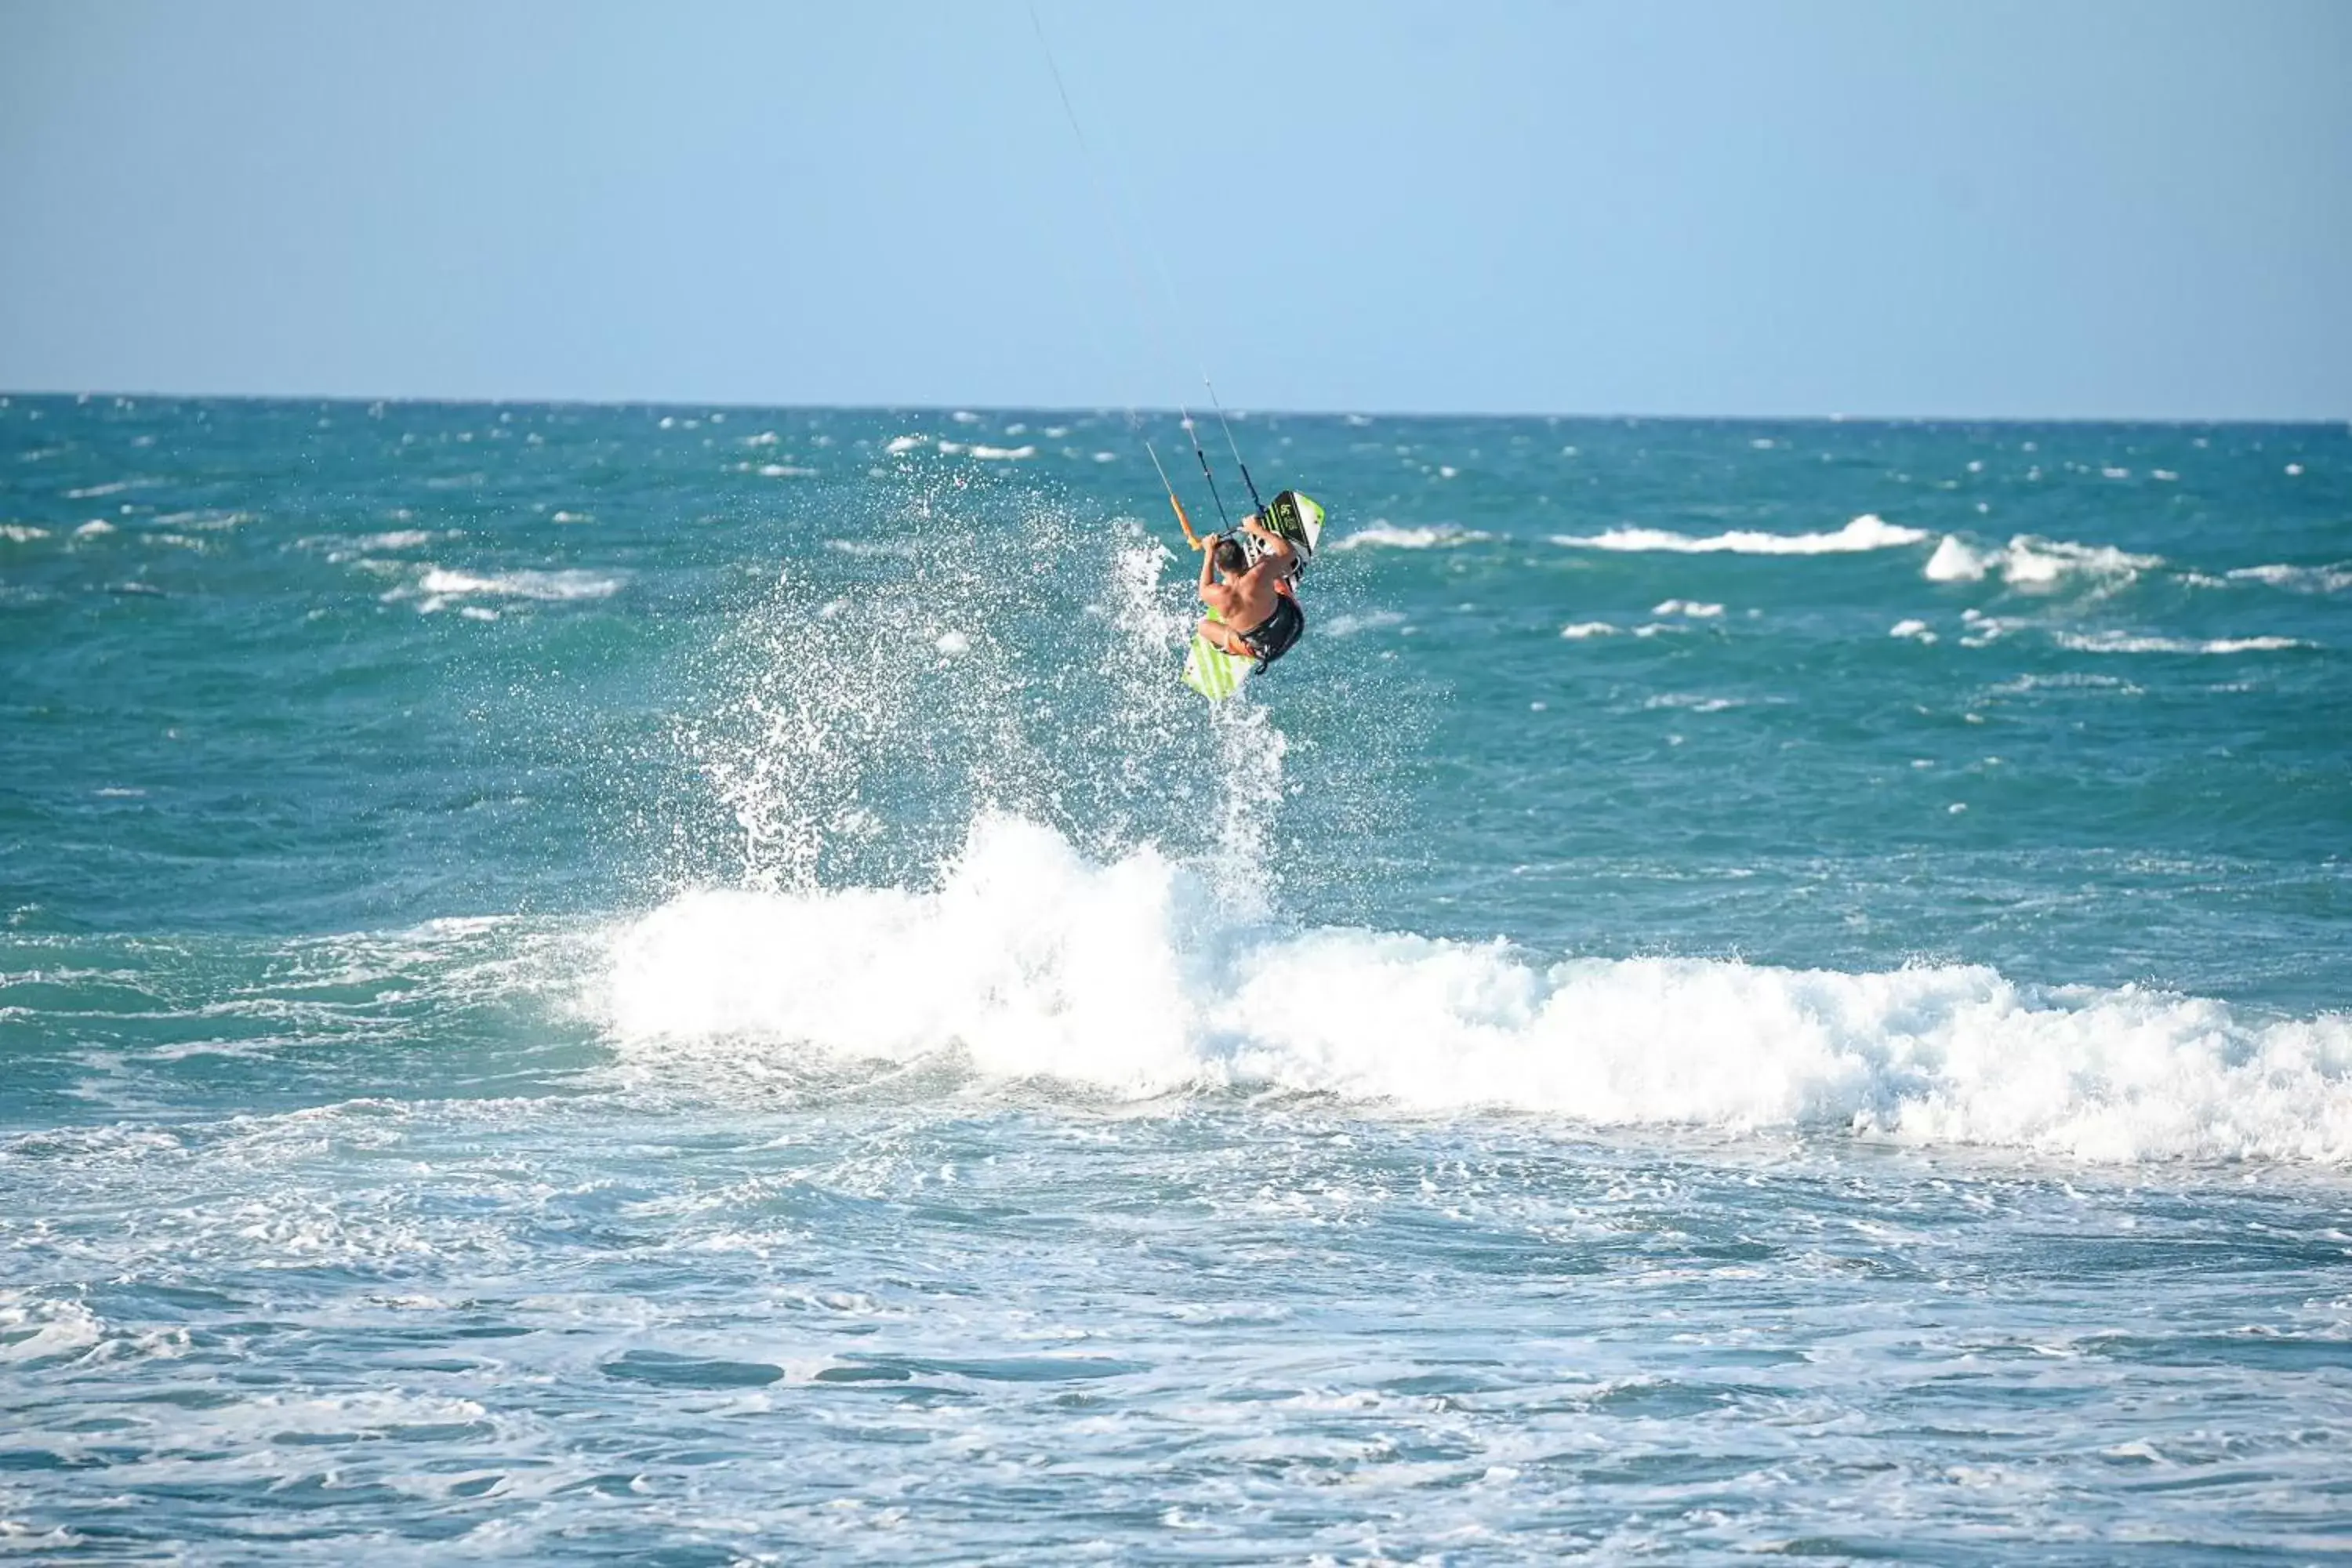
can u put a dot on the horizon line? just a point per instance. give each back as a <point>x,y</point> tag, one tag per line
<point>1170,412</point>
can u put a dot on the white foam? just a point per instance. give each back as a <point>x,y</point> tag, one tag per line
<point>2032,564</point>
<point>1128,978</point>
<point>440,586</point>
<point>1954,562</point>
<point>1865,532</point>
<point>96,528</point>
<point>34,1328</point>
<point>1440,536</point>
<point>21,533</point>
<point>899,445</point>
<point>398,538</point>
<point>1690,607</point>
<point>1000,454</point>
<point>2127,642</point>
<point>785,472</point>
<point>1578,630</point>
<point>2299,579</point>
<point>1348,625</point>
<point>1911,629</point>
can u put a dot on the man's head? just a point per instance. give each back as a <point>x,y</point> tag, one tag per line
<point>1230,555</point>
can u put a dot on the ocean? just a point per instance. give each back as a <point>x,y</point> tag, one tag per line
<point>686,985</point>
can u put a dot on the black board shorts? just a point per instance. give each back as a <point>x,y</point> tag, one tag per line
<point>1272,636</point>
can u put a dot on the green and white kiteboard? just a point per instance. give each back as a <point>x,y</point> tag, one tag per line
<point>1209,669</point>
<point>1212,671</point>
<point>1298,518</point>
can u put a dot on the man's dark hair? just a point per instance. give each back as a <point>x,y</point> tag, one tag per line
<point>1230,556</point>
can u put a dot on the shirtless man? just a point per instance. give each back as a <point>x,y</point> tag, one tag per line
<point>1257,598</point>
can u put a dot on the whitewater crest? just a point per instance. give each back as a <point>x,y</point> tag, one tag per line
<point>1867,531</point>
<point>1379,533</point>
<point>2034,565</point>
<point>1132,978</point>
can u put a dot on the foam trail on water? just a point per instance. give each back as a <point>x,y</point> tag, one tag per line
<point>2332,579</point>
<point>1133,977</point>
<point>2128,642</point>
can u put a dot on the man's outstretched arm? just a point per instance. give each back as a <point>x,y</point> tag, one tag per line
<point>1277,546</point>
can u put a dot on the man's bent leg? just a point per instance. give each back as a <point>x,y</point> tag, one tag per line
<point>1225,636</point>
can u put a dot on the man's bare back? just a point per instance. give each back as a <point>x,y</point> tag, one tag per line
<point>1251,596</point>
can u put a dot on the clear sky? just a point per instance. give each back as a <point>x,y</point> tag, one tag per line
<point>2020,208</point>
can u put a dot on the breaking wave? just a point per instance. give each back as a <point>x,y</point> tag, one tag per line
<point>2032,564</point>
<point>1131,978</point>
<point>1868,532</point>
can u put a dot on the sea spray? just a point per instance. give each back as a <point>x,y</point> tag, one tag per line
<point>985,650</point>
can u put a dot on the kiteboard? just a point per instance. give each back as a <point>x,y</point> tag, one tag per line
<point>1293,516</point>
<point>1212,671</point>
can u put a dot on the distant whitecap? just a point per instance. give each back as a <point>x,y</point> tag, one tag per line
<point>1868,532</point>
<point>2128,642</point>
<point>1439,536</point>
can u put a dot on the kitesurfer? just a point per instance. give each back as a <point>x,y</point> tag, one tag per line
<point>1257,614</point>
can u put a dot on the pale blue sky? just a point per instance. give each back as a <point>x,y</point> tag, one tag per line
<point>1985,208</point>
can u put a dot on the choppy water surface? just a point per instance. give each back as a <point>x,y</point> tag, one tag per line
<point>684,985</point>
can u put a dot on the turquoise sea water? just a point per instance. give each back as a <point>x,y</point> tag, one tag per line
<point>686,985</point>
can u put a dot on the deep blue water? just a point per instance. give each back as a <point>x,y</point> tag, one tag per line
<point>687,985</point>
